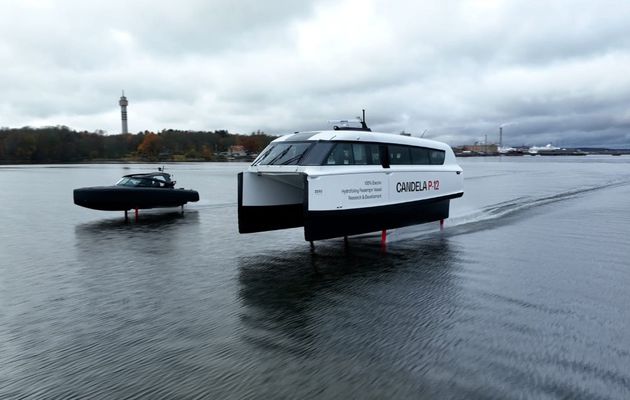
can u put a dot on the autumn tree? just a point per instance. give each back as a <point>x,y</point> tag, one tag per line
<point>255,142</point>
<point>150,146</point>
<point>62,144</point>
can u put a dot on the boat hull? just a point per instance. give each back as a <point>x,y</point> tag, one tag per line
<point>330,223</point>
<point>320,225</point>
<point>120,198</point>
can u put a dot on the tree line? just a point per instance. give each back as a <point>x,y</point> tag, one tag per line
<point>62,144</point>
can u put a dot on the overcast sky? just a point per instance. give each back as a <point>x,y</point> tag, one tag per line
<point>549,71</point>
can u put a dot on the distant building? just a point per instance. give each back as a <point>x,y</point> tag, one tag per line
<point>481,148</point>
<point>123,112</point>
<point>237,151</point>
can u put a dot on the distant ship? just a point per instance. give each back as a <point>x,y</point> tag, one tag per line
<point>510,151</point>
<point>347,181</point>
<point>550,150</point>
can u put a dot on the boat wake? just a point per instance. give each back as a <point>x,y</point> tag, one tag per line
<point>498,214</point>
<point>207,204</point>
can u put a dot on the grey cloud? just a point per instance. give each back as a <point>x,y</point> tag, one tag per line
<point>172,28</point>
<point>458,68</point>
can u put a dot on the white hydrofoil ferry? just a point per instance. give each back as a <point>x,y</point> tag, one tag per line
<point>347,181</point>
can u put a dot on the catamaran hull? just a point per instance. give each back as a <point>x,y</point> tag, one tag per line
<point>320,225</point>
<point>119,198</point>
<point>327,224</point>
<point>274,215</point>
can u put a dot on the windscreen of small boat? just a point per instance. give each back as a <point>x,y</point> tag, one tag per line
<point>139,182</point>
<point>283,154</point>
<point>126,181</point>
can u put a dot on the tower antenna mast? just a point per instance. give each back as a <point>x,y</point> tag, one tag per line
<point>123,112</point>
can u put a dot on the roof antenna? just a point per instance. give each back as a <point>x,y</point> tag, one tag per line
<point>363,124</point>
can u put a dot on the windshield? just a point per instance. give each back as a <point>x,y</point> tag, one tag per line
<point>126,181</point>
<point>140,182</point>
<point>283,154</point>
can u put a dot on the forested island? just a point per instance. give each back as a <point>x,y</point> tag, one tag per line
<point>61,144</point>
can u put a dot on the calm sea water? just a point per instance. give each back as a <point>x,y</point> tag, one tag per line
<point>525,294</point>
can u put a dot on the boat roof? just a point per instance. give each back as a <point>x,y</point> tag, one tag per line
<point>150,175</point>
<point>361,136</point>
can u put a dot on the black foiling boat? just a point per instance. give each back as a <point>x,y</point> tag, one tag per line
<point>135,191</point>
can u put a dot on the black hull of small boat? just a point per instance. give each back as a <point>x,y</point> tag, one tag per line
<point>120,198</point>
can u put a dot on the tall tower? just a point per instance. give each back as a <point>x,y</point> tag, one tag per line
<point>123,111</point>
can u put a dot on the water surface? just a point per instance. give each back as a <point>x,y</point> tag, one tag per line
<point>523,295</point>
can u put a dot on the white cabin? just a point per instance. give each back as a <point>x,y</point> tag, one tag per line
<point>346,182</point>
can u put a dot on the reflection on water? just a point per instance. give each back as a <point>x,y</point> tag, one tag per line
<point>357,308</point>
<point>164,223</point>
<point>153,235</point>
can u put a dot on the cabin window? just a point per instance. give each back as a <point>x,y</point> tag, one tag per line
<point>341,154</point>
<point>318,154</point>
<point>374,154</point>
<point>359,151</point>
<point>289,153</point>
<point>351,153</point>
<point>354,154</point>
<point>437,157</point>
<point>366,154</point>
<point>420,156</point>
<point>412,155</point>
<point>399,155</point>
